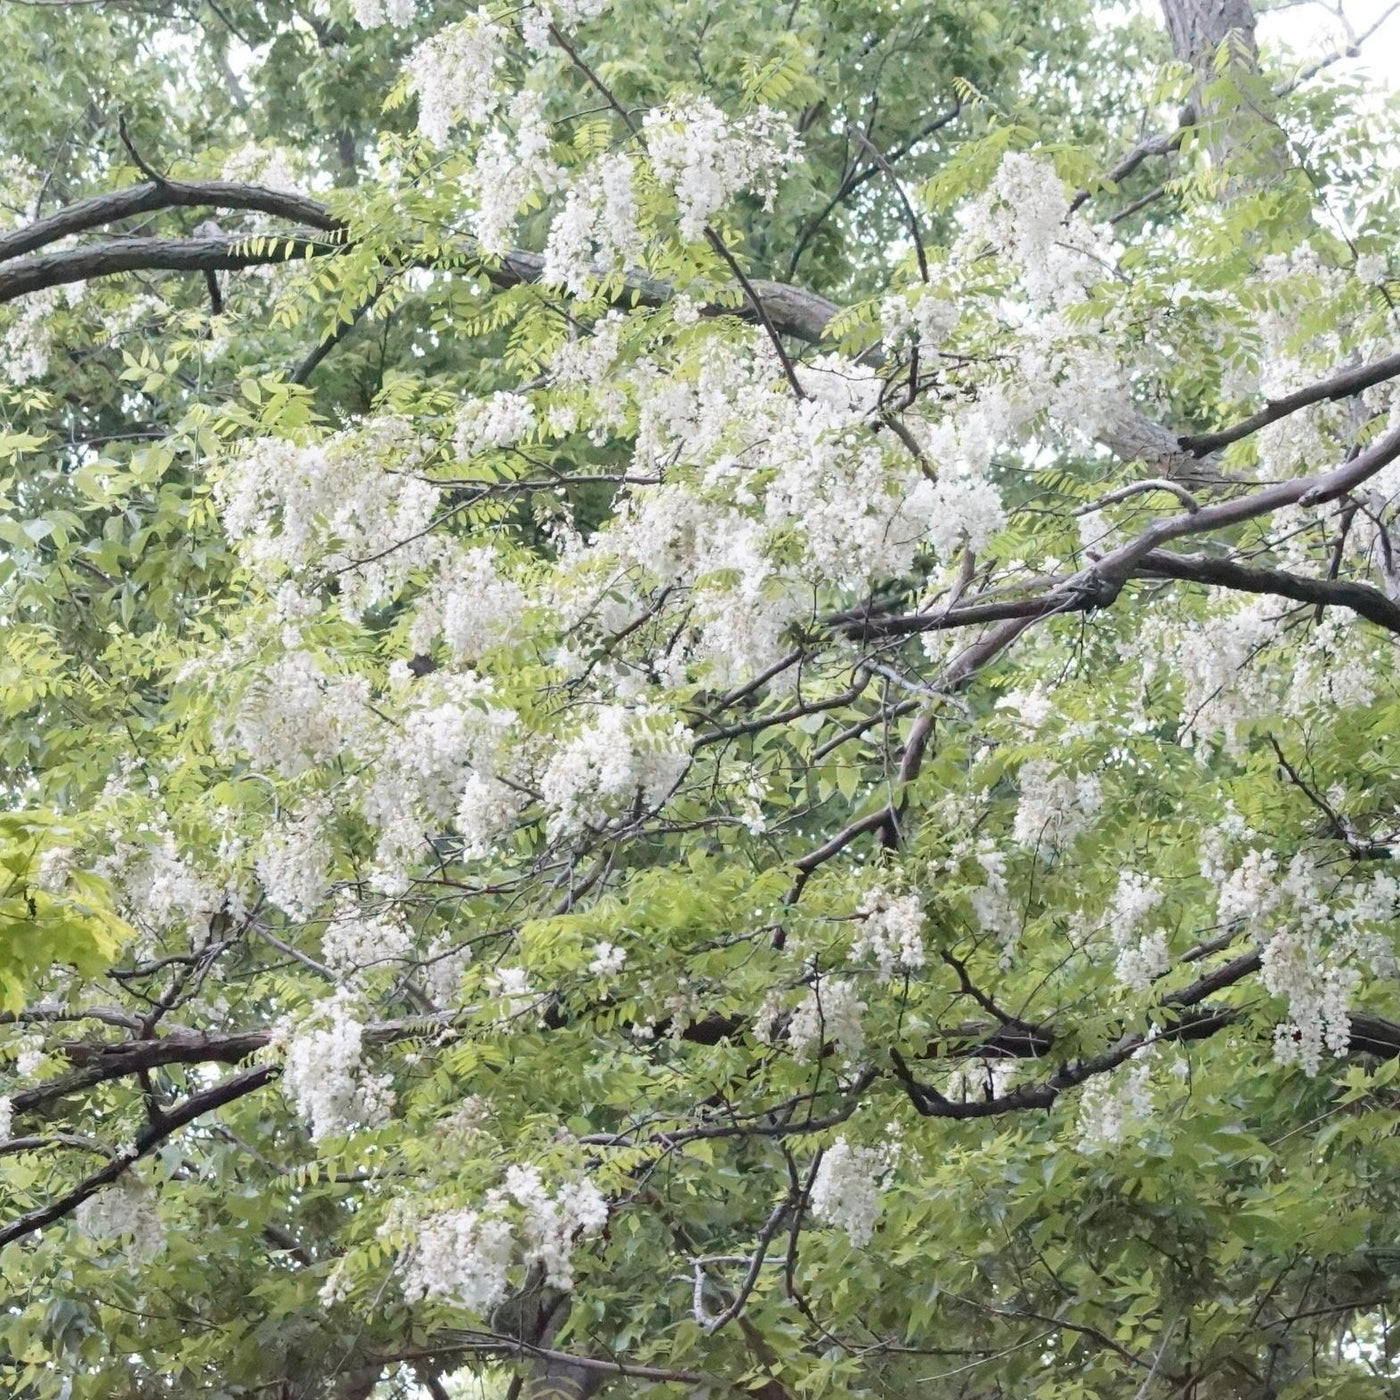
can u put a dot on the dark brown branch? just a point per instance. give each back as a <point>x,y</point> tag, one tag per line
<point>1099,585</point>
<point>104,209</point>
<point>222,253</point>
<point>1340,386</point>
<point>1360,598</point>
<point>147,1140</point>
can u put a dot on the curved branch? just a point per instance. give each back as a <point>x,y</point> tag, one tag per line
<point>1340,386</point>
<point>153,196</point>
<point>1361,598</point>
<point>147,1140</point>
<point>214,253</point>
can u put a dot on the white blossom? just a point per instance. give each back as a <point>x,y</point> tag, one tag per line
<point>847,1188</point>
<point>1055,806</point>
<point>706,158</point>
<point>508,169</point>
<point>607,960</point>
<point>460,1255</point>
<point>979,1079</point>
<point>324,1075</point>
<point>500,420</point>
<point>1142,957</point>
<point>372,13</point>
<point>463,1255</point>
<point>359,937</point>
<point>1371,268</point>
<point>1116,1104</point>
<point>622,755</point>
<point>831,1010</point>
<point>455,75</point>
<point>596,232</point>
<point>293,863</point>
<point>553,1221</point>
<point>891,933</point>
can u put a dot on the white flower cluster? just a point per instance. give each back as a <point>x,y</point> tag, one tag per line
<point>1371,268</point>
<point>706,158</point>
<point>160,889</point>
<point>372,13</point>
<point>336,504</point>
<point>499,420</point>
<point>324,1074</point>
<point>7,1117</point>
<point>830,1011</point>
<point>125,1210</point>
<point>294,715</point>
<point>27,341</point>
<point>1218,661</point>
<point>293,863</point>
<point>471,603</point>
<point>758,469</point>
<point>1316,935</point>
<point>920,317</point>
<point>463,1255</point>
<point>1054,807</point>
<point>565,14</point>
<point>623,755</point>
<point>446,964</point>
<point>847,1188</point>
<point>1316,981</point>
<point>1115,1104</point>
<point>449,733</point>
<point>1024,213</point>
<point>508,169</point>
<point>30,1059</point>
<point>456,75</point>
<point>991,897</point>
<point>891,933</point>
<point>1141,957</point>
<point>359,937</point>
<point>596,232</point>
<point>978,1079</point>
<point>261,165</point>
<point>608,960</point>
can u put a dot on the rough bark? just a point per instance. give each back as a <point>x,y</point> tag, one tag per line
<point>1197,28</point>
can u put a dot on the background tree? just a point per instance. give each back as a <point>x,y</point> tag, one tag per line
<point>698,700</point>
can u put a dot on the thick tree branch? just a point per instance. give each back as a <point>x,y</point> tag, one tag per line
<point>214,253</point>
<point>1340,386</point>
<point>153,196</point>
<point>147,1140</point>
<point>1360,598</point>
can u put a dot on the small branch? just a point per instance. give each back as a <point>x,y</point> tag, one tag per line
<point>153,175</point>
<point>910,216</point>
<point>150,1137</point>
<point>1340,386</point>
<point>746,1288</point>
<point>759,309</point>
<point>1137,488</point>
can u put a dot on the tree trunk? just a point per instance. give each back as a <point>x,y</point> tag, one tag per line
<point>1198,28</point>
<point>1236,126</point>
<point>558,1380</point>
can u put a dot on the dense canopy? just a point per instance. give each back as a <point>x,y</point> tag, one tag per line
<point>698,699</point>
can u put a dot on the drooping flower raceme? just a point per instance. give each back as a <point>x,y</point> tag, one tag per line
<point>847,1189</point>
<point>463,1254</point>
<point>891,933</point>
<point>706,157</point>
<point>456,75</point>
<point>623,754</point>
<point>324,1073</point>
